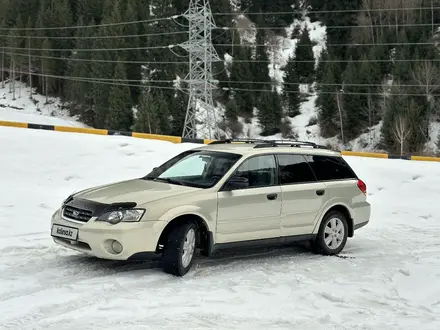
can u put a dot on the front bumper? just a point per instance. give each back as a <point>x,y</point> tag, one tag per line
<point>96,238</point>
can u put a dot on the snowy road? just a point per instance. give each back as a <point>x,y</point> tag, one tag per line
<point>389,280</point>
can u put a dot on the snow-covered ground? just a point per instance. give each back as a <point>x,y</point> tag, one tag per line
<point>390,278</point>
<point>35,111</point>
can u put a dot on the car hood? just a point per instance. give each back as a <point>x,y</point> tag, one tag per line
<point>139,191</point>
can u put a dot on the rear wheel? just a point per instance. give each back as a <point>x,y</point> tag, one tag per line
<point>180,249</point>
<point>332,235</point>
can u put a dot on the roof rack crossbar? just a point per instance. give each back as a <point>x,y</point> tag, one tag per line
<point>290,143</point>
<point>248,141</point>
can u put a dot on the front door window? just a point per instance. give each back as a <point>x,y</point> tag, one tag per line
<point>260,171</point>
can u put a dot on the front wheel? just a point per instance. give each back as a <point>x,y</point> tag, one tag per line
<point>332,235</point>
<point>180,249</point>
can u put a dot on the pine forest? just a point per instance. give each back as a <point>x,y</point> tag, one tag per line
<point>380,64</point>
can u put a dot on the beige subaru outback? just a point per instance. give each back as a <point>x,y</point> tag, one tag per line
<point>228,194</point>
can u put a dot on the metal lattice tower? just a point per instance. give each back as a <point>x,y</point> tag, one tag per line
<point>202,54</point>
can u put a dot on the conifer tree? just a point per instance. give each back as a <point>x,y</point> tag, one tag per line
<point>402,67</point>
<point>328,110</point>
<point>47,68</point>
<point>3,43</point>
<point>142,8</point>
<point>438,144</point>
<point>163,113</point>
<point>133,69</point>
<point>113,13</point>
<point>260,69</point>
<point>103,69</point>
<point>179,104</point>
<point>305,59</point>
<point>153,114</point>
<point>270,113</point>
<point>79,93</point>
<point>120,113</point>
<point>353,101</point>
<point>397,105</point>
<point>220,36</point>
<point>231,112</point>
<point>88,9</point>
<point>241,76</point>
<point>291,94</point>
<point>147,118</point>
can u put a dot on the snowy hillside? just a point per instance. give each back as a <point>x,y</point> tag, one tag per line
<point>389,277</point>
<point>279,50</point>
<point>36,111</point>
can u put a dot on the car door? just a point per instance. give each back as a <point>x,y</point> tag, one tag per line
<point>251,213</point>
<point>303,196</point>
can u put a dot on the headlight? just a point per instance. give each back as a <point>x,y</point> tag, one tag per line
<point>115,217</point>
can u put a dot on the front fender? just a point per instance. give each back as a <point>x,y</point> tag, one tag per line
<point>188,210</point>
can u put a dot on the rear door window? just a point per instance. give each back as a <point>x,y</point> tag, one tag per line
<point>294,169</point>
<point>330,168</point>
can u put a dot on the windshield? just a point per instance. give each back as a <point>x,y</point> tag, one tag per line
<point>201,169</point>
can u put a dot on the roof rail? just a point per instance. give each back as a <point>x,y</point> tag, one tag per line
<point>259,143</point>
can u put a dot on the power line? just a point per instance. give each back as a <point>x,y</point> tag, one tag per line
<point>105,81</point>
<point>219,45</point>
<point>91,78</point>
<point>218,14</point>
<point>73,59</point>
<point>92,26</point>
<point>94,37</point>
<point>335,45</point>
<point>300,11</point>
<point>272,83</point>
<point>90,49</point>
<point>330,93</point>
<point>328,27</point>
<point>117,82</point>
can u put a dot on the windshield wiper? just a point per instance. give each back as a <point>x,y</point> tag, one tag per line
<point>170,181</point>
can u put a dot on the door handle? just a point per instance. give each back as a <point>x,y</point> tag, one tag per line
<point>272,197</point>
<point>320,192</point>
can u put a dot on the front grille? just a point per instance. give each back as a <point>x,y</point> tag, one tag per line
<point>74,213</point>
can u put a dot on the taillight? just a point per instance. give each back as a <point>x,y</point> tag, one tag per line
<point>362,186</point>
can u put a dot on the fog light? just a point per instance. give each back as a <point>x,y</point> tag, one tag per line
<point>117,247</point>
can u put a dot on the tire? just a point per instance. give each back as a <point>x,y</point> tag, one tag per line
<point>334,224</point>
<point>180,249</point>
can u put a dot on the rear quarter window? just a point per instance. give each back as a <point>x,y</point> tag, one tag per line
<point>330,168</point>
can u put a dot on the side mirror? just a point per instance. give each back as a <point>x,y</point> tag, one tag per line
<point>236,183</point>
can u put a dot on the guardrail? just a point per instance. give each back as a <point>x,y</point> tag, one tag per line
<point>176,139</point>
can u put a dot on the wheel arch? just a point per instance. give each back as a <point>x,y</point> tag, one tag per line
<point>345,211</point>
<point>204,239</point>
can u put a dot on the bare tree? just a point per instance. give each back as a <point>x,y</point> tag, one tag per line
<point>369,111</point>
<point>30,68</point>
<point>339,101</point>
<point>401,131</point>
<point>427,75</point>
<point>3,68</point>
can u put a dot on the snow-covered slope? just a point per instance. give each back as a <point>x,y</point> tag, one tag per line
<point>281,48</point>
<point>36,111</point>
<point>389,277</point>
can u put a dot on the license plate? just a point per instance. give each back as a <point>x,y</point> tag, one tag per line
<point>65,232</point>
